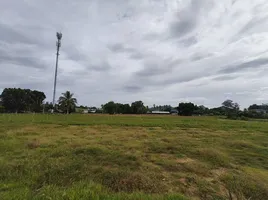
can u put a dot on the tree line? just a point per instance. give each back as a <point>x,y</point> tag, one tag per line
<point>136,107</point>
<point>17,100</point>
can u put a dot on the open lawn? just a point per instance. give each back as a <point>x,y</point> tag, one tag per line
<point>102,157</point>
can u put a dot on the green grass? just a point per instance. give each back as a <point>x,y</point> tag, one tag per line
<point>102,157</point>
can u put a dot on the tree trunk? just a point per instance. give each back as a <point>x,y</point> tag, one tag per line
<point>67,110</point>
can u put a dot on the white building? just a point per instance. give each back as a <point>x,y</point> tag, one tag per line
<point>160,112</point>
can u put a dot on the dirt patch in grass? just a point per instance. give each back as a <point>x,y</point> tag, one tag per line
<point>218,172</point>
<point>184,160</point>
<point>33,144</point>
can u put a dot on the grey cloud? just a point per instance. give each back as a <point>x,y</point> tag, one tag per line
<point>247,65</point>
<point>186,78</point>
<point>224,78</point>
<point>197,57</point>
<point>233,2</point>
<point>104,66</point>
<point>200,56</point>
<point>183,79</point>
<point>157,67</point>
<point>186,20</point>
<point>64,80</point>
<point>10,35</point>
<point>74,53</point>
<point>189,41</point>
<point>79,56</point>
<point>163,69</point>
<point>120,48</point>
<point>123,16</point>
<point>39,85</point>
<point>116,47</point>
<point>132,88</point>
<point>154,36</point>
<point>137,56</point>
<point>27,61</point>
<point>250,27</point>
<point>182,27</point>
<point>251,24</point>
<point>165,81</point>
<point>19,79</point>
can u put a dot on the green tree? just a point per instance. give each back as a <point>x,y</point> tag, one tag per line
<point>47,107</point>
<point>166,108</point>
<point>231,109</point>
<point>2,109</point>
<point>186,109</point>
<point>263,107</point>
<point>138,107</point>
<point>229,104</point>
<point>110,107</point>
<point>67,102</point>
<point>126,109</point>
<point>13,99</point>
<point>217,111</point>
<point>119,108</point>
<point>37,99</point>
<point>19,100</point>
<point>201,110</point>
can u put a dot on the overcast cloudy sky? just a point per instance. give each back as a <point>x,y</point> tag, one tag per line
<point>158,51</point>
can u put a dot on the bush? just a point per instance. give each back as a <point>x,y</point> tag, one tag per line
<point>232,116</point>
<point>244,186</point>
<point>244,118</point>
<point>122,181</point>
<point>2,109</point>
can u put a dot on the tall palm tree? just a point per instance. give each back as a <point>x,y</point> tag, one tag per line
<point>67,101</point>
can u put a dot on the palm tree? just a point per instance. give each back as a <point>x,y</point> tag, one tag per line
<point>67,101</point>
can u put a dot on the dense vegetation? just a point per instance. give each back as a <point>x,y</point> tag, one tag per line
<point>18,100</point>
<point>118,157</point>
<point>24,100</point>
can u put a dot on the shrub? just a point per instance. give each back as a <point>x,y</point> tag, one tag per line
<point>2,109</point>
<point>244,118</point>
<point>232,116</point>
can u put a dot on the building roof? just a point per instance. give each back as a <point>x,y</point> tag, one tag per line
<point>160,112</point>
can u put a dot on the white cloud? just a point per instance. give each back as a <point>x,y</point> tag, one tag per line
<point>158,51</point>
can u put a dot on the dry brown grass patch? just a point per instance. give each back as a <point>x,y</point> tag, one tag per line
<point>184,160</point>
<point>33,144</point>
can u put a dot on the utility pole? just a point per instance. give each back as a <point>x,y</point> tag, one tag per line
<point>58,44</point>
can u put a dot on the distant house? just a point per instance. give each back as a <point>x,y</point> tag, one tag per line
<point>160,112</point>
<point>91,110</point>
<point>260,111</point>
<point>174,112</point>
<point>85,111</point>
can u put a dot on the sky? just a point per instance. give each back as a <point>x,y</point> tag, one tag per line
<point>157,51</point>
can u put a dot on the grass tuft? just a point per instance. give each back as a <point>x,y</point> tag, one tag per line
<point>33,144</point>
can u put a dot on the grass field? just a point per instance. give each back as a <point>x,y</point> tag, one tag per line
<point>102,157</point>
